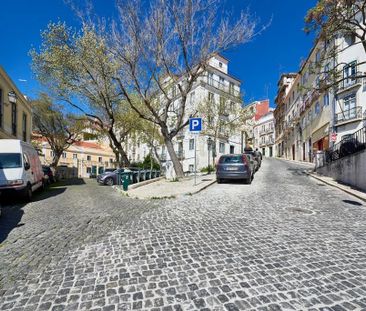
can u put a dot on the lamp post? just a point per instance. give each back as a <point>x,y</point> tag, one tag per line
<point>209,142</point>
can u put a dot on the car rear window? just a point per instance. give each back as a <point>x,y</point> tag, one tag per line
<point>231,159</point>
<point>10,160</point>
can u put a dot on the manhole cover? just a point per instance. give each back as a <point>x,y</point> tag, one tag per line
<point>302,211</point>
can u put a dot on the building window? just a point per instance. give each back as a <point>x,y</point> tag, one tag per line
<point>14,119</point>
<point>349,71</point>
<point>52,154</point>
<point>220,64</point>
<point>191,168</point>
<point>222,148</point>
<point>88,158</point>
<point>110,160</point>
<point>174,91</point>
<point>191,144</point>
<point>232,106</point>
<point>1,108</point>
<point>349,106</point>
<point>317,108</point>
<point>210,79</point>
<point>222,81</point>
<point>75,156</point>
<point>100,160</point>
<point>231,88</point>
<point>326,99</point>
<point>88,170</point>
<point>64,155</point>
<point>24,125</point>
<point>191,98</point>
<point>350,39</point>
<point>210,97</point>
<point>317,57</point>
<point>232,149</point>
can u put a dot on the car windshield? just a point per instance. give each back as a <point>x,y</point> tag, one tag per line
<point>231,159</point>
<point>10,160</point>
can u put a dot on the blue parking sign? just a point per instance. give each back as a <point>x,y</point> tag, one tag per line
<point>195,124</point>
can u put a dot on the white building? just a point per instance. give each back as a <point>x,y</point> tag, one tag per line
<point>264,135</point>
<point>215,86</point>
<point>349,106</point>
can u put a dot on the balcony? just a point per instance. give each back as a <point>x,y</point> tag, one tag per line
<point>349,83</point>
<point>269,130</point>
<point>180,155</point>
<point>218,85</point>
<point>349,115</point>
<point>310,98</point>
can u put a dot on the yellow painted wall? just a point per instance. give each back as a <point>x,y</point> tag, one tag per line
<point>23,107</point>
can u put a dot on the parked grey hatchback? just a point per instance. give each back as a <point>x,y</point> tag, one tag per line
<point>235,166</point>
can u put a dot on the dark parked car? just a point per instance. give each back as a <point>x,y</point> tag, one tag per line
<point>47,170</point>
<point>235,166</point>
<point>110,178</point>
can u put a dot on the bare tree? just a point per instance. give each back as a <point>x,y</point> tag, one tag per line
<point>162,51</point>
<point>223,118</point>
<point>77,67</point>
<point>59,129</point>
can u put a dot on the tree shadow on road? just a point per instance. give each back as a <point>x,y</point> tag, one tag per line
<point>12,207</point>
<point>298,171</point>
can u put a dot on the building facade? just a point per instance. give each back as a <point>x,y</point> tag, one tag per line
<point>284,86</point>
<point>216,87</point>
<point>256,110</point>
<point>311,117</point>
<point>83,159</point>
<point>15,111</point>
<point>264,135</point>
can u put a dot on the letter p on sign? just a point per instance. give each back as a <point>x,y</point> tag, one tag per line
<point>195,124</point>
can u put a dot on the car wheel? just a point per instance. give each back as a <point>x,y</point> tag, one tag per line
<point>219,181</point>
<point>28,193</point>
<point>109,181</point>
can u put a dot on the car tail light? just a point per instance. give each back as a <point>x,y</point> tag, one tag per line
<point>245,160</point>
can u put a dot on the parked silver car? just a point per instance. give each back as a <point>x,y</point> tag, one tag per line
<point>235,166</point>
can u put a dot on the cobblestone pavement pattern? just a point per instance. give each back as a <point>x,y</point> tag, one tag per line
<point>286,242</point>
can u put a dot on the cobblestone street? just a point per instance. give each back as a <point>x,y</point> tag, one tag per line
<point>286,242</point>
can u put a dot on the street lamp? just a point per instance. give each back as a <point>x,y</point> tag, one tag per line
<point>209,143</point>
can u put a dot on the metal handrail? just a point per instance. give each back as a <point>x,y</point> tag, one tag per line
<point>349,145</point>
<point>350,114</point>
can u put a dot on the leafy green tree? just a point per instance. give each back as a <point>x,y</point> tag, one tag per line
<point>60,129</point>
<point>77,68</point>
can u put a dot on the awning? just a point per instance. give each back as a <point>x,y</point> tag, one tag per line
<point>320,133</point>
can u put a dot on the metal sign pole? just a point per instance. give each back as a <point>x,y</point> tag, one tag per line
<point>195,160</point>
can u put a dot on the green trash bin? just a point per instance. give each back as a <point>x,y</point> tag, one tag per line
<point>125,181</point>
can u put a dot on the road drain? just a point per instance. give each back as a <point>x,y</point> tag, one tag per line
<point>302,211</point>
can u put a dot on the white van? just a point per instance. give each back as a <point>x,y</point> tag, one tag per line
<point>20,168</point>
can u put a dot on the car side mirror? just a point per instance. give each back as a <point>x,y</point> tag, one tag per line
<point>26,166</point>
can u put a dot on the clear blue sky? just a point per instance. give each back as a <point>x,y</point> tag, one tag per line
<point>258,64</point>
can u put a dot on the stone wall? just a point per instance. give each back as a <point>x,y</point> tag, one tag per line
<point>350,170</point>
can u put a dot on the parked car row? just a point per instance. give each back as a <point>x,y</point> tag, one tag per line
<point>238,166</point>
<point>110,178</point>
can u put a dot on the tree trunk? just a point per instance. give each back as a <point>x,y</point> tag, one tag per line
<point>56,159</point>
<point>123,157</point>
<point>173,156</point>
<point>117,147</point>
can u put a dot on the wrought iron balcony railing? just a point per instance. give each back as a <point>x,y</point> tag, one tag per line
<point>349,115</point>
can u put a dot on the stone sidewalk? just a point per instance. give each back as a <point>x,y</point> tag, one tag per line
<point>166,189</point>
